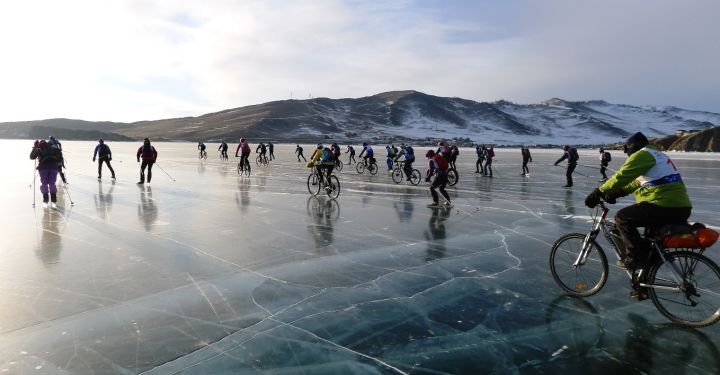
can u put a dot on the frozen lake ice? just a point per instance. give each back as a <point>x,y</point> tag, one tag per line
<point>220,274</point>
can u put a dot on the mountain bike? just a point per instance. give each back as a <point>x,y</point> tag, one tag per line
<point>398,173</point>
<point>453,176</point>
<point>262,161</point>
<point>244,168</point>
<point>683,284</point>
<point>372,167</point>
<point>223,157</point>
<point>317,181</point>
<point>338,165</point>
<point>202,155</point>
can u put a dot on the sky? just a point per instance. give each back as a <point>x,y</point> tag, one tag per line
<point>134,60</point>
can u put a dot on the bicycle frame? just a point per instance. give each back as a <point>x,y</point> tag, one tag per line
<point>599,224</point>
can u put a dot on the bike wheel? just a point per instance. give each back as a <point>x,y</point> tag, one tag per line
<point>266,161</point>
<point>247,168</point>
<point>696,303</point>
<point>415,177</point>
<point>240,171</point>
<point>313,184</point>
<point>585,279</point>
<point>397,175</point>
<point>373,168</point>
<point>204,155</point>
<point>452,177</point>
<point>334,188</point>
<point>360,167</point>
<point>258,161</point>
<point>338,165</point>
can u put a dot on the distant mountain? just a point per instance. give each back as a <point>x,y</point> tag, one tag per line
<point>702,141</point>
<point>409,114</point>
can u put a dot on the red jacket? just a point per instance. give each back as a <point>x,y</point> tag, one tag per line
<point>151,157</point>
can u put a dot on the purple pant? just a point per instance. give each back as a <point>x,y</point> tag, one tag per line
<point>47,181</point>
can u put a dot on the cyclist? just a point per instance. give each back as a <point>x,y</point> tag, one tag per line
<point>409,159</point>
<point>454,152</point>
<point>271,148</point>
<point>438,166</point>
<point>263,150</point>
<point>350,150</point>
<point>327,161</point>
<point>659,192</point>
<point>368,151</point>
<point>223,149</point>
<point>480,159</point>
<point>201,147</point>
<point>299,153</point>
<point>245,148</point>
<point>443,150</point>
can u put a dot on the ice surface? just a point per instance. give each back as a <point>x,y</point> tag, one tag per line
<point>219,274</point>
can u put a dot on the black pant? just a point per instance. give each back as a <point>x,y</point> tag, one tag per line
<point>272,154</point>
<point>487,169</point>
<point>351,159</point>
<point>479,164</point>
<point>568,174</point>
<point>148,164</point>
<point>525,167</point>
<point>645,214</point>
<point>603,166</point>
<point>300,155</point>
<point>62,175</point>
<point>107,161</point>
<point>439,183</point>
<point>407,168</point>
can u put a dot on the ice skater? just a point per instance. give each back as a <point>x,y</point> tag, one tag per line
<point>489,154</point>
<point>437,166</point>
<point>61,160</point>
<point>604,160</point>
<point>271,148</point>
<point>571,155</point>
<point>526,159</point>
<point>103,151</point>
<point>481,157</point>
<point>149,156</point>
<point>299,153</point>
<point>351,158</point>
<point>47,169</point>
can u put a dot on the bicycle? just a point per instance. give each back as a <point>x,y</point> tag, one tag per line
<point>202,155</point>
<point>262,161</point>
<point>244,169</point>
<point>683,285</point>
<point>453,176</point>
<point>338,165</point>
<point>316,182</point>
<point>372,167</point>
<point>223,157</point>
<point>398,172</point>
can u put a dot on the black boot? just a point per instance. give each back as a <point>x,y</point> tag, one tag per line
<point>46,198</point>
<point>53,197</point>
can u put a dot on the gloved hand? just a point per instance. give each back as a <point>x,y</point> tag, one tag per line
<point>109,159</point>
<point>612,197</point>
<point>594,198</point>
<point>138,160</point>
<point>530,160</point>
<point>93,159</point>
<point>555,164</point>
<point>427,179</point>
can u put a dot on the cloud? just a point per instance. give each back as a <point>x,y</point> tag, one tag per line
<point>141,60</point>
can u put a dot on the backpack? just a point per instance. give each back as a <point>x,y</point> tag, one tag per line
<point>147,151</point>
<point>455,151</point>
<point>327,155</point>
<point>574,154</point>
<point>409,150</point>
<point>607,157</point>
<point>47,154</point>
<point>442,163</point>
<point>491,153</point>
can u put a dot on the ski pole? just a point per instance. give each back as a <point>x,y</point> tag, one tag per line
<point>496,172</point>
<point>161,168</point>
<point>68,194</point>
<point>33,183</point>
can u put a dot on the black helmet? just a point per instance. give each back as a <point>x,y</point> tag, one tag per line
<point>429,154</point>
<point>634,143</point>
<point>566,147</point>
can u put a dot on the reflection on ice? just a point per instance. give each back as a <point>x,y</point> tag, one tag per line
<point>254,275</point>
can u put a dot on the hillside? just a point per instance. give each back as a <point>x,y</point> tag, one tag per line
<point>407,114</point>
<point>702,141</point>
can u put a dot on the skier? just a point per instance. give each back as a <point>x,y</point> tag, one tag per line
<point>481,158</point>
<point>350,150</point>
<point>571,155</point>
<point>223,149</point>
<point>526,159</point>
<point>437,165</point>
<point>47,169</point>
<point>61,160</point>
<point>604,160</point>
<point>149,155</point>
<point>298,151</point>
<point>105,156</point>
<point>488,154</point>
